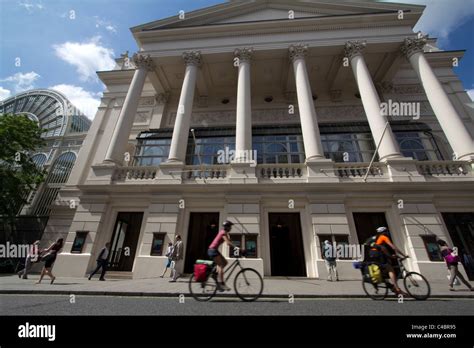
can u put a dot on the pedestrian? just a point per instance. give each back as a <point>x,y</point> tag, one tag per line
<point>452,261</point>
<point>48,257</point>
<point>33,256</point>
<point>169,251</point>
<point>102,262</point>
<point>330,260</point>
<point>177,258</point>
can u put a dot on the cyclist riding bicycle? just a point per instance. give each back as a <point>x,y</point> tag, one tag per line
<point>385,252</point>
<point>213,252</point>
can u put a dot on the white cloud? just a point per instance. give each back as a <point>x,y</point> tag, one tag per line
<point>87,57</point>
<point>22,82</point>
<point>30,7</point>
<point>102,23</point>
<point>86,101</point>
<point>4,93</point>
<point>442,17</point>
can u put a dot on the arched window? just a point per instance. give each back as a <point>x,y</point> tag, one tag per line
<point>39,159</point>
<point>61,168</point>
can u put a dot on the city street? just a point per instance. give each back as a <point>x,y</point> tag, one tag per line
<point>32,304</point>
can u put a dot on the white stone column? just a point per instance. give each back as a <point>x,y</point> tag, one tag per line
<point>388,147</point>
<point>243,129</point>
<point>119,141</point>
<point>450,121</point>
<point>179,141</point>
<point>309,123</point>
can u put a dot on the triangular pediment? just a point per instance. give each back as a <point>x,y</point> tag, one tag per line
<point>248,11</point>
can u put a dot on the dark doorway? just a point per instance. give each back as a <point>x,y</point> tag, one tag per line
<point>366,225</point>
<point>461,230</point>
<point>286,245</point>
<point>123,245</point>
<point>203,227</point>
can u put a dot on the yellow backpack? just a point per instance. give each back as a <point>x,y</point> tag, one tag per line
<point>375,274</point>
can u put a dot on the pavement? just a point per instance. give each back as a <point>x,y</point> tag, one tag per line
<point>274,287</point>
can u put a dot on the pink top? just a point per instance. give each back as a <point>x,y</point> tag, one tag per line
<point>218,240</point>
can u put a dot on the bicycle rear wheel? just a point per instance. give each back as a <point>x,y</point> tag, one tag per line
<point>417,286</point>
<point>375,291</point>
<point>202,291</point>
<point>248,284</point>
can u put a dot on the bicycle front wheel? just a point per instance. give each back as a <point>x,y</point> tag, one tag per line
<point>202,291</point>
<point>417,286</point>
<point>375,291</point>
<point>248,284</point>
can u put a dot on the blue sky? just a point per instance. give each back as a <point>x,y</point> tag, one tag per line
<point>61,43</point>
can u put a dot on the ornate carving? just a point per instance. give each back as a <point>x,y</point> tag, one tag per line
<point>192,58</point>
<point>142,117</point>
<point>297,51</point>
<point>162,98</point>
<point>142,61</point>
<point>354,48</point>
<point>146,101</point>
<point>413,45</point>
<point>244,54</point>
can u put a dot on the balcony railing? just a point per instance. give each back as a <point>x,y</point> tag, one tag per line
<point>281,171</point>
<point>220,174</point>
<point>444,168</point>
<point>358,170</point>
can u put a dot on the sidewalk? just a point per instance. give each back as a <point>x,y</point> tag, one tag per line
<point>273,287</point>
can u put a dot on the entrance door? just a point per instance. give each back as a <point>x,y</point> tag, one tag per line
<point>461,230</point>
<point>286,245</point>
<point>203,227</point>
<point>367,223</point>
<point>123,245</point>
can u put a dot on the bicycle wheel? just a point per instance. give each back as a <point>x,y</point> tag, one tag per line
<point>248,284</point>
<point>375,291</point>
<point>202,291</point>
<point>417,286</point>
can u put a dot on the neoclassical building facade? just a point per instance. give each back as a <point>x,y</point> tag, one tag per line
<point>271,114</point>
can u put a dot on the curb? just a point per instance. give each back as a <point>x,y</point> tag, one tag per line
<point>176,294</point>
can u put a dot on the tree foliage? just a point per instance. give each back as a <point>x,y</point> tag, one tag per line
<point>19,138</point>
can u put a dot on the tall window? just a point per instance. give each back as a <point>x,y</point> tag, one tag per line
<point>420,146</point>
<point>151,152</point>
<point>279,148</point>
<point>348,147</point>
<point>210,150</point>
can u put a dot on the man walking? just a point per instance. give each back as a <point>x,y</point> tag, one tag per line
<point>102,262</point>
<point>177,257</point>
<point>330,260</point>
<point>33,255</point>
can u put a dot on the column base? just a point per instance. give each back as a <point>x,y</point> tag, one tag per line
<point>242,173</point>
<point>321,170</point>
<point>403,169</point>
<point>170,173</point>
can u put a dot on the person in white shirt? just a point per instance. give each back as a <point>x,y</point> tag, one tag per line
<point>169,252</point>
<point>177,257</point>
<point>102,262</point>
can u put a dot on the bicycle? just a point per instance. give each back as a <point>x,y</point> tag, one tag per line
<point>248,283</point>
<point>416,285</point>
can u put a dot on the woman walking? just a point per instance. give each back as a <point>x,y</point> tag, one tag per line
<point>49,257</point>
<point>452,261</point>
<point>169,252</point>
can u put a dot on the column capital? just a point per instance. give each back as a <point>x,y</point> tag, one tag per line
<point>297,51</point>
<point>192,58</point>
<point>354,48</point>
<point>413,45</point>
<point>142,61</point>
<point>244,54</point>
<point>162,98</point>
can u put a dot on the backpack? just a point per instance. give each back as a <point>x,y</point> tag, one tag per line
<point>369,244</point>
<point>202,269</point>
<point>375,274</point>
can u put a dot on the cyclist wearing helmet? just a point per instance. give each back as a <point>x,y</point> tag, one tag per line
<point>213,252</point>
<point>384,251</point>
